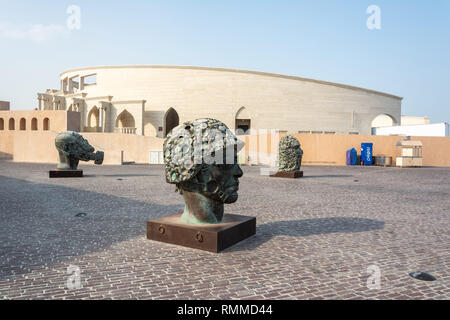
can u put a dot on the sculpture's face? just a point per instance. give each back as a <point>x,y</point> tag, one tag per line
<point>298,151</point>
<point>220,182</point>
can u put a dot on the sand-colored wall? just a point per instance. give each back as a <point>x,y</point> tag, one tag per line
<point>331,149</point>
<point>40,147</point>
<point>58,120</point>
<point>261,149</point>
<point>6,144</point>
<point>325,149</point>
<point>436,150</point>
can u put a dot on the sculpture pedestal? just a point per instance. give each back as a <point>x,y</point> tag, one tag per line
<point>208,237</point>
<point>291,175</point>
<point>65,173</point>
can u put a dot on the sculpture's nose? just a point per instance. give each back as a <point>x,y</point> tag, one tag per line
<point>237,171</point>
<point>88,148</point>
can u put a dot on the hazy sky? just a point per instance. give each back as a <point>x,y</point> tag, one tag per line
<point>327,40</point>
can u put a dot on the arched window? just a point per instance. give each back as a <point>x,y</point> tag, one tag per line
<point>243,121</point>
<point>171,120</point>
<point>125,123</point>
<point>34,124</point>
<point>2,124</point>
<point>93,117</point>
<point>383,120</point>
<point>12,124</point>
<point>46,124</point>
<point>23,124</point>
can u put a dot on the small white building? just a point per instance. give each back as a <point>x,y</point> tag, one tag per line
<point>420,130</point>
<point>409,153</point>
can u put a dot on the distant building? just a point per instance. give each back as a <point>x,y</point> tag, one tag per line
<point>386,121</point>
<point>411,121</point>
<point>419,130</point>
<point>151,100</point>
<point>4,105</point>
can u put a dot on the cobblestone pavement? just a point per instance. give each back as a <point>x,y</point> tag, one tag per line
<point>316,236</point>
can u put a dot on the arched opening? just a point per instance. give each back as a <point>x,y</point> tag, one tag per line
<point>171,120</point>
<point>242,121</point>
<point>46,124</point>
<point>12,124</point>
<point>34,124</point>
<point>23,124</point>
<point>2,124</point>
<point>383,120</point>
<point>93,117</point>
<point>70,108</point>
<point>125,123</point>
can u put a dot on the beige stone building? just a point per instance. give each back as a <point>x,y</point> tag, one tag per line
<point>151,100</point>
<point>4,105</point>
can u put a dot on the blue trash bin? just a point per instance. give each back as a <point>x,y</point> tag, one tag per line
<point>367,154</point>
<point>352,156</point>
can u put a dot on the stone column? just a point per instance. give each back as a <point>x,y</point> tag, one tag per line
<point>39,102</point>
<point>102,117</point>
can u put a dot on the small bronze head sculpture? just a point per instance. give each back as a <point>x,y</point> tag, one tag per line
<point>72,148</point>
<point>289,154</point>
<point>201,160</point>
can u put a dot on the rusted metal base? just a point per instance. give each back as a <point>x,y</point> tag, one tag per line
<point>65,173</point>
<point>291,175</point>
<point>210,237</point>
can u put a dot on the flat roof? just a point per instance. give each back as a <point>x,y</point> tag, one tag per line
<point>276,75</point>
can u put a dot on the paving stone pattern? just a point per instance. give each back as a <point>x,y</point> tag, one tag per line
<point>316,236</point>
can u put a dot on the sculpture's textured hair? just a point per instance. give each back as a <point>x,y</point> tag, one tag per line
<point>289,154</point>
<point>193,144</point>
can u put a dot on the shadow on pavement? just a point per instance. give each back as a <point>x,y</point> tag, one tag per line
<point>121,175</point>
<point>305,228</point>
<point>39,223</point>
<point>327,176</point>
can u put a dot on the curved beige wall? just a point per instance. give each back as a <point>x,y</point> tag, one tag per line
<point>272,101</point>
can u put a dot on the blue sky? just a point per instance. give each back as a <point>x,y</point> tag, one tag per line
<point>327,40</point>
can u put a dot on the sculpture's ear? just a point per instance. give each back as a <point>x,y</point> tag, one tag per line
<point>67,147</point>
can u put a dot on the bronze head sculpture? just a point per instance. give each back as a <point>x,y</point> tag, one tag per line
<point>201,160</point>
<point>289,154</point>
<point>72,148</point>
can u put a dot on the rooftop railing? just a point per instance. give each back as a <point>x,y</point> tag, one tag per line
<point>126,130</point>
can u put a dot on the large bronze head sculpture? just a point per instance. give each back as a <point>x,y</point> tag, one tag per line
<point>289,154</point>
<point>201,160</point>
<point>72,148</point>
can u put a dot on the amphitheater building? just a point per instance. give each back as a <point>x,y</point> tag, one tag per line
<point>151,100</point>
